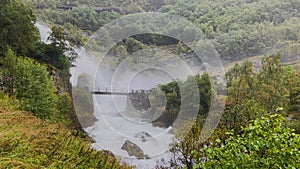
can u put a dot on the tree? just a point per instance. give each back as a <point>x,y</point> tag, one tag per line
<point>35,88</point>
<point>30,82</point>
<point>240,105</point>
<point>206,92</point>
<point>133,45</point>
<point>187,143</point>
<point>57,38</point>
<point>272,89</point>
<point>294,88</point>
<point>248,98</point>
<point>58,53</point>
<point>249,93</point>
<point>184,150</point>
<point>173,90</point>
<point>17,29</point>
<point>8,71</point>
<point>265,143</point>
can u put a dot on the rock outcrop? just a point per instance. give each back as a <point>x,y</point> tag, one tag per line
<point>144,136</point>
<point>133,149</point>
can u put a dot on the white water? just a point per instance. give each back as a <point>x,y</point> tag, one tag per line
<point>112,130</point>
<point>44,31</point>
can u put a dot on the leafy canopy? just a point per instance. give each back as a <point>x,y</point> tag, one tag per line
<point>265,143</point>
<point>30,82</point>
<point>17,27</point>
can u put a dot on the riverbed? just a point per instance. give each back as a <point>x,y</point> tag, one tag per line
<point>112,128</point>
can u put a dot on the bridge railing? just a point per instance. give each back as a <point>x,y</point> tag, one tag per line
<point>118,92</point>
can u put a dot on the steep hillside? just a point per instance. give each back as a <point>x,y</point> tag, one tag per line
<point>29,142</point>
<point>237,28</point>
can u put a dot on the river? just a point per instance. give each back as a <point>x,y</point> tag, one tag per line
<point>112,128</point>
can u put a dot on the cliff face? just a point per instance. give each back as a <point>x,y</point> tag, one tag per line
<point>73,116</point>
<point>63,86</point>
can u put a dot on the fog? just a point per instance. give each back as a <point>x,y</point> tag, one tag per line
<point>113,127</point>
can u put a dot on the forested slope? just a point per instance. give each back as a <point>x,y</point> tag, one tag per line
<point>38,125</point>
<point>259,127</point>
<point>237,28</point>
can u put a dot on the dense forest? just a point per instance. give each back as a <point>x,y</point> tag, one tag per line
<point>259,128</point>
<point>37,122</point>
<point>261,110</point>
<point>238,29</point>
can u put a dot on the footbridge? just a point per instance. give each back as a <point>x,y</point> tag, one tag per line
<point>138,98</point>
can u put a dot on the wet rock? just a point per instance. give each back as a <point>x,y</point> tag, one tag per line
<point>133,149</point>
<point>146,157</point>
<point>146,137</point>
<point>159,111</point>
<point>143,136</point>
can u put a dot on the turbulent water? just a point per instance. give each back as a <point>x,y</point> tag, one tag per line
<point>112,130</point>
<point>113,127</point>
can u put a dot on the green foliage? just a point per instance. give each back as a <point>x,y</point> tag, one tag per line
<point>84,106</point>
<point>31,84</point>
<point>274,90</point>
<point>173,97</point>
<point>64,106</point>
<point>133,45</point>
<point>241,105</point>
<point>183,150</point>
<point>17,30</point>
<point>80,20</point>
<point>54,53</point>
<point>294,83</point>
<point>24,78</point>
<point>206,92</point>
<point>8,71</point>
<point>155,39</point>
<point>64,103</point>
<point>181,48</point>
<point>9,103</point>
<point>28,142</point>
<point>57,38</point>
<point>35,88</point>
<point>239,28</point>
<point>50,54</point>
<point>265,143</point>
<point>249,93</point>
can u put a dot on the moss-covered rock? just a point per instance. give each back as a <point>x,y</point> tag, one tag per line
<point>133,149</point>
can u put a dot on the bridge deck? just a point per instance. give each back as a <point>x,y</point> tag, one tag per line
<point>138,98</point>
<point>118,92</point>
<point>109,93</point>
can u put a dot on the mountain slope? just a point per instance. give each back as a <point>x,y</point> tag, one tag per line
<point>28,142</point>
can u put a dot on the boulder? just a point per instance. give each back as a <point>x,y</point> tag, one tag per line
<point>133,149</point>
<point>143,136</point>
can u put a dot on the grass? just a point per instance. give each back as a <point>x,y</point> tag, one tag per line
<point>29,142</point>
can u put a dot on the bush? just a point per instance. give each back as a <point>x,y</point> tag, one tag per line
<point>35,88</point>
<point>31,84</point>
<point>265,143</point>
<point>7,103</point>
